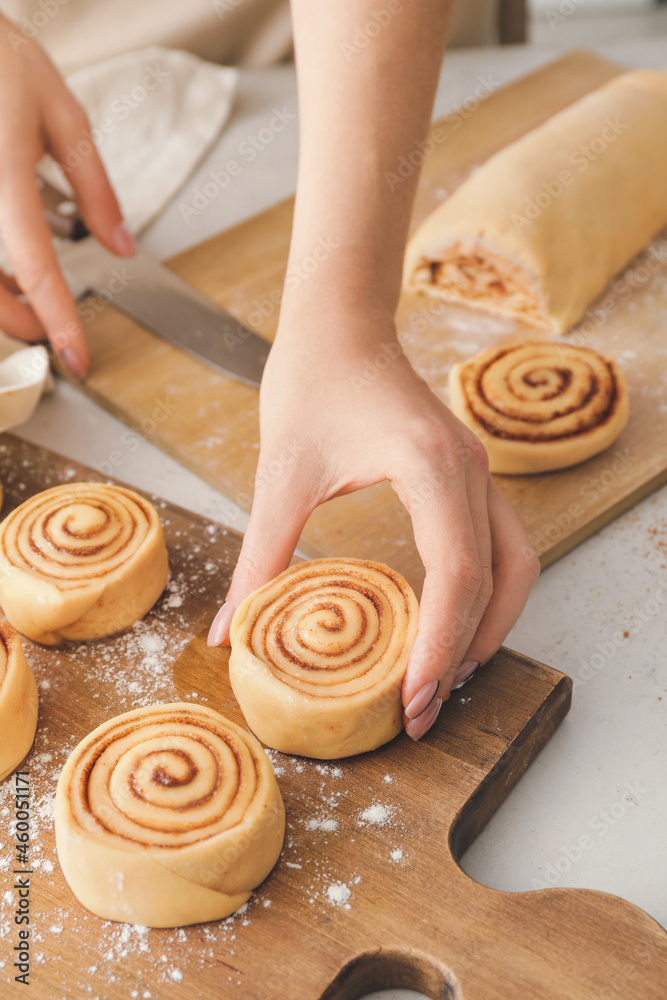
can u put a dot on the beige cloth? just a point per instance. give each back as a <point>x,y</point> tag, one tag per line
<point>79,33</point>
<point>154,114</point>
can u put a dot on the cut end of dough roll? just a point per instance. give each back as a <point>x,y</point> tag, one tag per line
<point>18,702</point>
<point>166,816</point>
<point>539,229</point>
<point>540,406</point>
<point>319,654</point>
<point>81,561</point>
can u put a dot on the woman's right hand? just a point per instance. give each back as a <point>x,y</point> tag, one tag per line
<point>38,114</point>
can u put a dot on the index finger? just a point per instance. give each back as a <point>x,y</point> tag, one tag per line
<point>33,258</point>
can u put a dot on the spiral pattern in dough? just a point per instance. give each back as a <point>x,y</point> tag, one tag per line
<point>18,702</point>
<point>540,406</point>
<point>81,561</point>
<point>319,654</point>
<point>167,815</point>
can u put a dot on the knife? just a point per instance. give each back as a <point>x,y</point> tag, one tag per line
<point>153,295</point>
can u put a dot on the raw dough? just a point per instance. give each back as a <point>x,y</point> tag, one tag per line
<point>81,561</point>
<point>541,227</point>
<point>167,815</point>
<point>318,657</point>
<point>540,406</point>
<point>18,702</point>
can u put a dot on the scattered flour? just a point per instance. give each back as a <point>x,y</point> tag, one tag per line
<point>376,814</point>
<point>339,893</point>
<point>328,825</point>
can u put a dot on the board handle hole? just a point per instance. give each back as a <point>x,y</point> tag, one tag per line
<point>393,968</point>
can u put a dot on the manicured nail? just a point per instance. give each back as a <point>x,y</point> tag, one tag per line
<point>416,728</point>
<point>422,699</point>
<point>219,629</point>
<point>73,363</point>
<point>123,241</point>
<point>464,673</point>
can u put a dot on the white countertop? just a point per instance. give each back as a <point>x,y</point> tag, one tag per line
<point>602,775</point>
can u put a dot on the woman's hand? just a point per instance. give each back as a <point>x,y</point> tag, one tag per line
<point>38,114</point>
<point>345,432</point>
<point>327,430</point>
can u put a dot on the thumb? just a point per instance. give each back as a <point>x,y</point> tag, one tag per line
<point>268,545</point>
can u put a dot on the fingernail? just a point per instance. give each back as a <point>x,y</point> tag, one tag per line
<point>123,241</point>
<point>416,728</point>
<point>422,699</point>
<point>219,629</point>
<point>464,673</point>
<point>73,363</point>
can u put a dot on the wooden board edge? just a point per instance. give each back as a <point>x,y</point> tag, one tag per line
<point>519,754</point>
<point>606,517</point>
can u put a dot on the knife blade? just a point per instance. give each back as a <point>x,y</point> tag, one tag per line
<point>153,295</point>
<point>157,298</point>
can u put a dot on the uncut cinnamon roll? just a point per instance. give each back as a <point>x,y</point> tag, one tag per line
<point>167,815</point>
<point>540,406</point>
<point>539,229</point>
<point>318,657</point>
<point>18,702</point>
<point>81,561</point>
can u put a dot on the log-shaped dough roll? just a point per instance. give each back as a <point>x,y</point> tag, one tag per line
<point>81,561</point>
<point>18,702</point>
<point>167,815</point>
<point>540,406</point>
<point>319,654</point>
<point>541,227</point>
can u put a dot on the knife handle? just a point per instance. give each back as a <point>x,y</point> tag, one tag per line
<point>61,213</point>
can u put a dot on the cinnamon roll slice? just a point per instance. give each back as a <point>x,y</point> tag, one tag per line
<point>166,816</point>
<point>18,702</point>
<point>540,406</point>
<point>81,561</point>
<point>318,657</point>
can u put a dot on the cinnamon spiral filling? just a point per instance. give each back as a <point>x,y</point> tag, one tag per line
<point>540,392</point>
<point>167,815</point>
<point>164,778</point>
<point>331,633</point>
<point>74,534</point>
<point>81,561</point>
<point>319,654</point>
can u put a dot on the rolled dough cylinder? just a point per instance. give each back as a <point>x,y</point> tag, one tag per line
<point>167,815</point>
<point>540,406</point>
<point>319,654</point>
<point>540,228</point>
<point>81,561</point>
<point>18,702</point>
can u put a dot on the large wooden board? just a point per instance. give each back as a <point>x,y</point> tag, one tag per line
<point>209,423</point>
<point>412,917</point>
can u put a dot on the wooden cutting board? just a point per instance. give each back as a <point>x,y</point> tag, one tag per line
<point>368,892</point>
<point>209,422</point>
